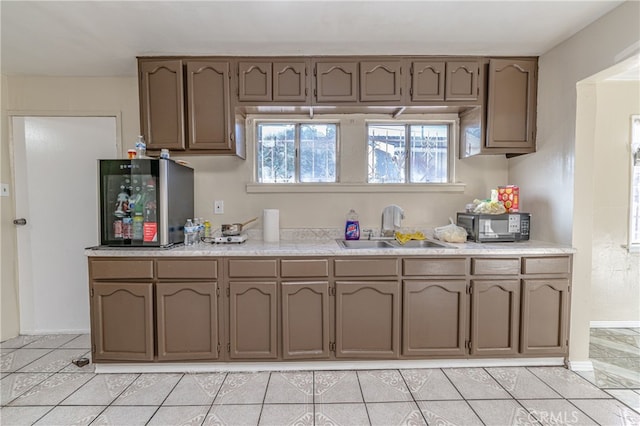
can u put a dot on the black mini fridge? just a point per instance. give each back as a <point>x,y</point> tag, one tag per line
<point>144,202</point>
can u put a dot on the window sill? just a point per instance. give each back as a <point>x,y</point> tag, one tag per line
<point>633,248</point>
<point>291,188</point>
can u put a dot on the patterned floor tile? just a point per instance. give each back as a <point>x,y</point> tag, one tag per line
<point>551,412</point>
<point>286,414</point>
<point>395,413</point>
<point>16,384</point>
<point>130,416</point>
<point>148,389</point>
<point>52,362</point>
<point>567,383</point>
<point>429,385</point>
<point>19,341</point>
<point>19,358</point>
<point>243,388</point>
<point>290,387</point>
<point>383,386</point>
<point>336,386</point>
<point>608,412</point>
<point>502,412</point>
<point>53,390</point>
<point>475,383</point>
<point>449,413</point>
<point>102,389</point>
<point>76,416</point>
<point>51,341</point>
<point>341,415</point>
<point>237,415</point>
<point>520,383</point>
<point>196,389</point>
<point>627,396</point>
<point>83,341</point>
<point>191,415</point>
<point>19,416</point>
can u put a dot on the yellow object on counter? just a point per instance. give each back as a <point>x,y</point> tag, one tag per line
<point>403,238</point>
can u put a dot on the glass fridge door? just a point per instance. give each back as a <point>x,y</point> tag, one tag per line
<point>128,202</point>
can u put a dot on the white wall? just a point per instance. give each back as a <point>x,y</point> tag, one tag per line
<point>615,285</point>
<point>557,180</point>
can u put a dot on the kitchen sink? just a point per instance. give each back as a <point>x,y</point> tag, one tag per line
<point>364,244</point>
<point>419,244</point>
<point>373,244</point>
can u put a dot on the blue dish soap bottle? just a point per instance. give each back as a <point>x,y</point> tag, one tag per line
<point>352,228</point>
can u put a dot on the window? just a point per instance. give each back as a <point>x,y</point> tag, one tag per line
<point>296,152</point>
<point>634,231</point>
<point>408,153</point>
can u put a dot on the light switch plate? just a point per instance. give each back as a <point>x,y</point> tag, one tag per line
<point>4,190</point>
<point>218,207</point>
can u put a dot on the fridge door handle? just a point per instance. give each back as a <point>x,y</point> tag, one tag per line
<point>21,221</point>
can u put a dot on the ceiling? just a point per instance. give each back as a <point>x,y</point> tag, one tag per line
<point>102,38</point>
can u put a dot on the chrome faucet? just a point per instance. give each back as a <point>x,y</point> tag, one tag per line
<point>391,220</point>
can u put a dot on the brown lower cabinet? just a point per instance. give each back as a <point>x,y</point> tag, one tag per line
<point>122,321</point>
<point>367,319</point>
<point>253,320</point>
<point>434,318</point>
<point>304,308</point>
<point>494,317</point>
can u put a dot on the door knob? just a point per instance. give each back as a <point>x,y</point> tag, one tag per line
<point>21,221</point>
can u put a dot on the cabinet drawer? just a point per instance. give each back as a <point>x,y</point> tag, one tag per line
<point>188,269</point>
<point>434,266</point>
<point>304,268</point>
<point>121,269</point>
<point>509,266</point>
<point>546,265</point>
<point>253,268</point>
<point>366,267</point>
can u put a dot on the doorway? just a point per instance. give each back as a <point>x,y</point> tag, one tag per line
<point>55,171</point>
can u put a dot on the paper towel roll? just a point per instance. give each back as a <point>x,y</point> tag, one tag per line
<point>271,225</point>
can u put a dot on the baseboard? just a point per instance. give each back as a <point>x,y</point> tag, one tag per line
<point>322,365</point>
<point>56,331</point>
<point>614,324</point>
<point>580,365</point>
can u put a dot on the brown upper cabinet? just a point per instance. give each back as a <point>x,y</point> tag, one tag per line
<point>207,124</point>
<point>380,81</point>
<point>336,82</point>
<point>444,80</point>
<point>273,81</point>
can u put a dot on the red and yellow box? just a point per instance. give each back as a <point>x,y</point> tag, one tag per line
<point>510,197</point>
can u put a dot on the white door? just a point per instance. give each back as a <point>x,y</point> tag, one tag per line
<point>56,191</point>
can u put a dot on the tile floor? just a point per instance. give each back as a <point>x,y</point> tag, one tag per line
<point>39,385</point>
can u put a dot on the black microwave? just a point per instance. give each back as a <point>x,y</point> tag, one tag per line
<point>506,227</point>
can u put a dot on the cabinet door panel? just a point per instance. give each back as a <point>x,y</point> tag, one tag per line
<point>434,318</point>
<point>494,317</point>
<point>380,81</point>
<point>122,316</point>
<point>545,317</point>
<point>511,104</point>
<point>187,321</point>
<point>254,81</point>
<point>290,82</point>
<point>305,320</point>
<point>427,81</point>
<point>337,82</point>
<point>161,104</point>
<point>208,106</point>
<point>462,81</point>
<point>253,321</point>
<point>367,319</point>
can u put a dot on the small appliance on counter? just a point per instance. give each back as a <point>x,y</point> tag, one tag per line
<point>506,227</point>
<point>144,202</point>
<point>230,239</point>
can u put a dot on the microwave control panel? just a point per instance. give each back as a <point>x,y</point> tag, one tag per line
<point>514,223</point>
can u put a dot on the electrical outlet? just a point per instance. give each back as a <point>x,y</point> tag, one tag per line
<point>218,207</point>
<point>4,190</point>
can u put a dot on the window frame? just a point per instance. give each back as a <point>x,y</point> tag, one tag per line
<point>297,123</point>
<point>452,144</point>
<point>634,152</point>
